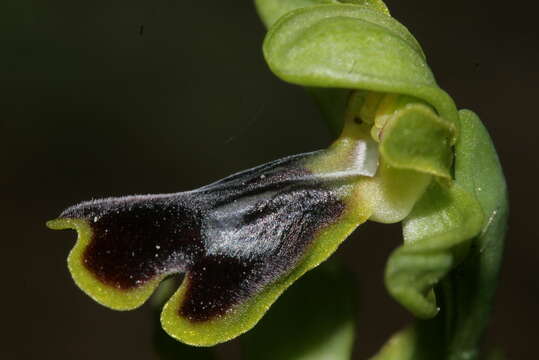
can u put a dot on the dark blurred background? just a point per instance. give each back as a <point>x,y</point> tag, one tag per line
<point>102,98</point>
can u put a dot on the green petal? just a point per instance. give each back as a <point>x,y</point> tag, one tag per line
<point>467,291</point>
<point>353,47</point>
<point>392,192</point>
<point>416,138</point>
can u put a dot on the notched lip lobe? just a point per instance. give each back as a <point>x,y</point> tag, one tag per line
<point>86,221</point>
<point>85,230</point>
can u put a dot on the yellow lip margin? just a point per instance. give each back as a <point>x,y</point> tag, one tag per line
<point>243,317</point>
<point>104,294</point>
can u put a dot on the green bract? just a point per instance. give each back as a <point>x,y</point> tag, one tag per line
<point>404,154</point>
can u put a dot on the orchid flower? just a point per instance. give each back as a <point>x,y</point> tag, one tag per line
<point>404,153</point>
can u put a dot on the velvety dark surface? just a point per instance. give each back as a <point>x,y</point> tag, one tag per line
<point>91,108</point>
<point>234,237</point>
<point>138,238</point>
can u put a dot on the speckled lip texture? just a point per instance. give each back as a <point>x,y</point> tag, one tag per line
<point>232,238</point>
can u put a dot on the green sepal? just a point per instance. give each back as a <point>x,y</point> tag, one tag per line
<point>271,10</point>
<point>374,4</point>
<point>332,102</point>
<point>313,320</point>
<point>472,285</point>
<point>442,218</point>
<point>436,234</point>
<point>353,47</point>
<point>467,292</point>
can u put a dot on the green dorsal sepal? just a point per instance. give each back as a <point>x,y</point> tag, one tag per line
<point>436,235</point>
<point>345,46</point>
<point>271,10</point>
<point>374,4</point>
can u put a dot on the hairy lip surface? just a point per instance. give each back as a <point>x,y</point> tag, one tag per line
<point>233,238</point>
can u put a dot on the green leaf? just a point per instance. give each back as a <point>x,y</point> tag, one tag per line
<point>353,47</point>
<point>313,320</point>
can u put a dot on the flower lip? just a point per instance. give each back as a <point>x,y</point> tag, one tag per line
<point>233,237</point>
